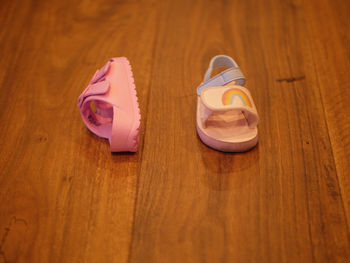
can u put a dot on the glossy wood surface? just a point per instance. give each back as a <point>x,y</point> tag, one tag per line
<point>65,198</point>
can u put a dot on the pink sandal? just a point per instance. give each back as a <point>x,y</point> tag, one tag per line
<point>226,115</point>
<point>109,106</point>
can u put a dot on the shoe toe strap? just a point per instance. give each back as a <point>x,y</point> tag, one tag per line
<point>216,100</point>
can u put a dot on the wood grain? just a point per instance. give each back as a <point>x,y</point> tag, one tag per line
<point>65,198</point>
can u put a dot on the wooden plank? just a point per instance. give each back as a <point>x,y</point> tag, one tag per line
<point>64,197</point>
<point>278,203</point>
<point>331,58</point>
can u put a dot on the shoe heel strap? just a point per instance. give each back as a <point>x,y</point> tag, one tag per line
<point>121,128</point>
<point>233,73</point>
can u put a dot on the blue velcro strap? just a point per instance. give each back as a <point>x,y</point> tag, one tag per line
<point>231,74</point>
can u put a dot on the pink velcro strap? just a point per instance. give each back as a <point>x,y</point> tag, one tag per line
<point>98,84</point>
<point>100,74</point>
<point>98,88</point>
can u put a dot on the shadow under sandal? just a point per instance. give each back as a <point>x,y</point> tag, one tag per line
<point>226,115</point>
<point>109,106</point>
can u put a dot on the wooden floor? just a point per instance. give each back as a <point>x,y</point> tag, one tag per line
<point>65,198</point>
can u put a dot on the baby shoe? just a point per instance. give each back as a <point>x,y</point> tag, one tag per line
<point>109,106</point>
<point>226,115</point>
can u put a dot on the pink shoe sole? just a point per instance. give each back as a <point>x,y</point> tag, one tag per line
<point>227,146</point>
<point>134,135</point>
